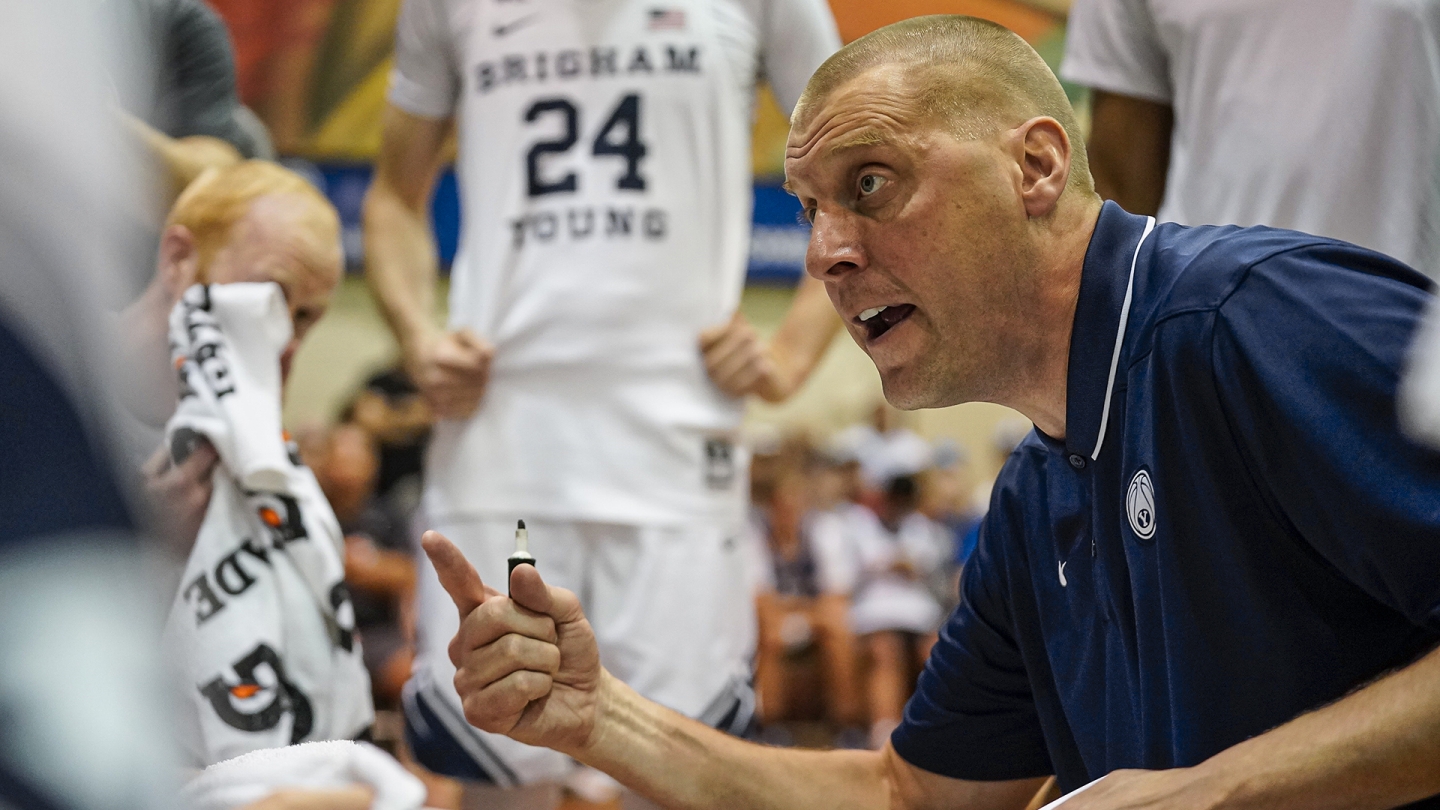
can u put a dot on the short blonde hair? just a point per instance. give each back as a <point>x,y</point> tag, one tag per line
<point>971,75</point>
<point>211,205</point>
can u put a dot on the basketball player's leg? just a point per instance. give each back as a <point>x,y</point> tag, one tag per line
<point>435,726</point>
<point>674,617</point>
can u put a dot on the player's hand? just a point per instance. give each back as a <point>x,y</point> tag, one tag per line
<point>739,362</point>
<point>526,667</point>
<point>451,370</point>
<point>1174,789</point>
<point>178,495</point>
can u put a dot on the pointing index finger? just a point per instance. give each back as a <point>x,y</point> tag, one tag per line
<point>457,575</point>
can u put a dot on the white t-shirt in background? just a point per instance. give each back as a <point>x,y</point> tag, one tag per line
<point>1317,115</point>
<point>604,171</point>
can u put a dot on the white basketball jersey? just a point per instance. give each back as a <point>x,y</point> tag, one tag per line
<point>606,200</point>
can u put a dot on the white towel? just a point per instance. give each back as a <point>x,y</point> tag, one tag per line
<point>262,630</point>
<point>316,766</point>
<point>226,342</point>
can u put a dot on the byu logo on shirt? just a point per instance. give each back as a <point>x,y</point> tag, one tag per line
<point>1140,505</point>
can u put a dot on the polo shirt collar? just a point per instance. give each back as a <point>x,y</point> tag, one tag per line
<point>1107,282</point>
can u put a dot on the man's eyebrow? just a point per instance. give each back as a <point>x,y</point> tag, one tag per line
<point>788,189</point>
<point>867,138</point>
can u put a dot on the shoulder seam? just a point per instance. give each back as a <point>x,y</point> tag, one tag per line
<point>1239,279</point>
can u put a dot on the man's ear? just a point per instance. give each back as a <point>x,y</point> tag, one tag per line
<point>1045,164</point>
<point>179,263</point>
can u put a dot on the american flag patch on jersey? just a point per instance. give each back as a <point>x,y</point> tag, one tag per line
<point>666,19</point>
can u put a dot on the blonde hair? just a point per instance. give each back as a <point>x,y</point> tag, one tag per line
<point>971,75</point>
<point>211,205</point>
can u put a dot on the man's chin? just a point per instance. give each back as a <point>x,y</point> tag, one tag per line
<point>909,391</point>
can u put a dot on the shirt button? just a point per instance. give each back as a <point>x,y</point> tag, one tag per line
<point>1077,461</point>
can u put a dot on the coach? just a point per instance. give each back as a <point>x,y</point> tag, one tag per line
<point>1212,572</point>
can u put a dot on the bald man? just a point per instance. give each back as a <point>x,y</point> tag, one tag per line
<point>1208,577</point>
<point>253,221</point>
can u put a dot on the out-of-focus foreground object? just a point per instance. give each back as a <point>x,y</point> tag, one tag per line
<point>82,724</point>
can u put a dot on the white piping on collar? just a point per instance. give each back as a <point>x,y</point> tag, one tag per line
<point>1120,339</point>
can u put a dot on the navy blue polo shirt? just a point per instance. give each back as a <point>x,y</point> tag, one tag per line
<point>1233,530</point>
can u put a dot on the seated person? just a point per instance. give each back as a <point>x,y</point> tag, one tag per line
<point>378,568</point>
<point>254,221</point>
<point>803,593</point>
<point>897,550</point>
<point>261,623</point>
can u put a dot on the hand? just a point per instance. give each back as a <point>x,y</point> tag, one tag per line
<point>179,495</point>
<point>1174,789</point>
<point>740,363</point>
<point>526,667</point>
<point>451,371</point>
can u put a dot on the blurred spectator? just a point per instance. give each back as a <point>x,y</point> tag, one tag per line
<point>945,497</point>
<point>894,611</point>
<point>390,408</point>
<point>804,588</point>
<point>1318,115</point>
<point>378,565</point>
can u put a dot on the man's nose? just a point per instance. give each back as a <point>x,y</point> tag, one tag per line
<point>834,248</point>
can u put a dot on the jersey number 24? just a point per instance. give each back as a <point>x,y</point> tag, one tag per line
<point>620,136</point>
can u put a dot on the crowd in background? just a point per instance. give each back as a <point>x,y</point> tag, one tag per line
<point>859,540</point>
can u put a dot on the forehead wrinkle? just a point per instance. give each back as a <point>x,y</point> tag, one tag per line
<point>865,108</point>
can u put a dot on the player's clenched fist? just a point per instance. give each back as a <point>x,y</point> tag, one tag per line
<point>451,370</point>
<point>526,664</point>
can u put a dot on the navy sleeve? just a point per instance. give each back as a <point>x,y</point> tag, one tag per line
<point>1307,355</point>
<point>973,715</point>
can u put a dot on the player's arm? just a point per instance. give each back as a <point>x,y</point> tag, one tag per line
<point>1129,150</point>
<point>450,369</point>
<point>795,37</point>
<point>528,667</point>
<point>741,363</point>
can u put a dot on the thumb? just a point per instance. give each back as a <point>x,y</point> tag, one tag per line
<point>529,591</point>
<point>457,576</point>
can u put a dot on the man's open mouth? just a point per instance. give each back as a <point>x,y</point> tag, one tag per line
<point>878,320</point>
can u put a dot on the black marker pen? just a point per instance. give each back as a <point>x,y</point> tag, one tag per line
<point>522,555</point>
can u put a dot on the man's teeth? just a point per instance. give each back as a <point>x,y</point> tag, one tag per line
<point>871,312</point>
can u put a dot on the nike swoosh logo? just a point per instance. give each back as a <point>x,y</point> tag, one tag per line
<point>1063,583</point>
<point>510,27</point>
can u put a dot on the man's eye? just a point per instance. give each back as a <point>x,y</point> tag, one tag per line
<point>806,216</point>
<point>871,183</point>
